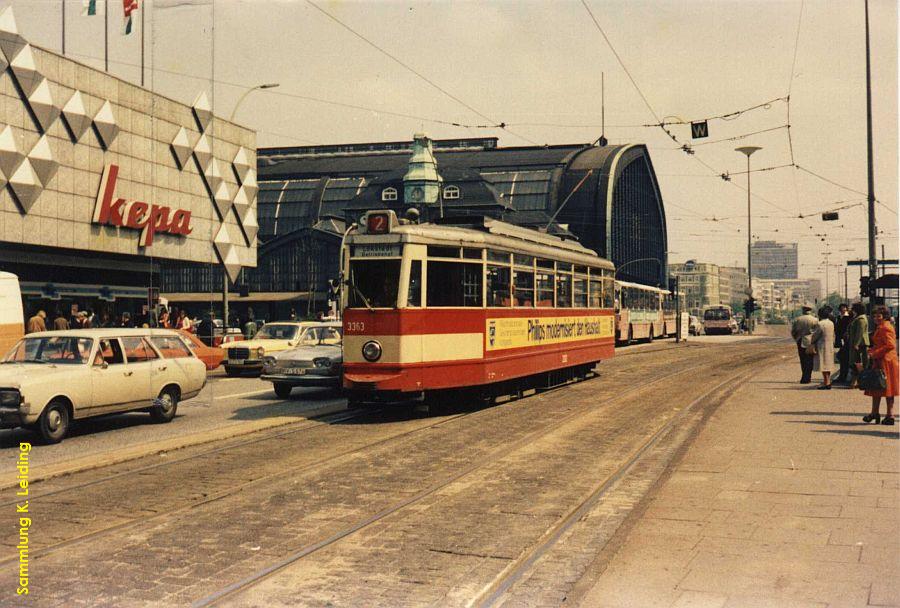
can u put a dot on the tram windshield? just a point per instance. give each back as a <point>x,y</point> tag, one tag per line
<point>373,283</point>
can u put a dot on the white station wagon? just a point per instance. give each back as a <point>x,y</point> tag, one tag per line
<point>51,378</point>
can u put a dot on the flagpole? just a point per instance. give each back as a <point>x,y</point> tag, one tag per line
<point>143,10</point>
<point>106,35</point>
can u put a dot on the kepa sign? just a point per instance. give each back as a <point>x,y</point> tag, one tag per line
<point>126,213</point>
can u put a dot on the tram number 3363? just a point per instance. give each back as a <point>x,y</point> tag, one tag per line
<point>355,327</point>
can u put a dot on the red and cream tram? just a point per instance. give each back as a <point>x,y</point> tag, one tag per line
<point>491,307</point>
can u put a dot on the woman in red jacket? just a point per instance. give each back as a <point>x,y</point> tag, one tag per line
<point>883,355</point>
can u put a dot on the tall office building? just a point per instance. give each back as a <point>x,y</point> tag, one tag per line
<point>773,260</point>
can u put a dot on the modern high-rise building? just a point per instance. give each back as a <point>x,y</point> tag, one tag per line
<point>771,260</point>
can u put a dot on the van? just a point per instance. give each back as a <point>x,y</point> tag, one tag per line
<point>12,319</point>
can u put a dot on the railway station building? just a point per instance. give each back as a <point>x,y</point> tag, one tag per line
<point>102,182</point>
<point>605,196</point>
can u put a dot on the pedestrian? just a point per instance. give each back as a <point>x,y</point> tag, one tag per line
<point>60,323</point>
<point>104,320</point>
<point>36,323</point>
<point>126,320</point>
<point>842,342</point>
<point>184,321</point>
<point>858,342</point>
<point>801,331</point>
<point>86,322</point>
<point>823,339</point>
<point>164,317</point>
<point>293,315</point>
<point>883,356</point>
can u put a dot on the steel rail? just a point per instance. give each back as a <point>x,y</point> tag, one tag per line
<point>490,458</point>
<point>514,572</point>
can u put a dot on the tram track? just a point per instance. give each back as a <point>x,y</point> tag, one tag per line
<point>491,458</point>
<point>494,594</point>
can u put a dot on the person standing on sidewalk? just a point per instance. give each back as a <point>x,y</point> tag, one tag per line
<point>841,342</point>
<point>858,342</point>
<point>884,357</point>
<point>60,322</point>
<point>823,339</point>
<point>36,323</point>
<point>801,331</point>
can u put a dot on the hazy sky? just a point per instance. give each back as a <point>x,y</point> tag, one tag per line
<point>537,67</point>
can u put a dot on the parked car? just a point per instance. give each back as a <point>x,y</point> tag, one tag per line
<point>51,378</point>
<point>696,327</point>
<point>247,355</point>
<point>212,356</point>
<point>316,361</point>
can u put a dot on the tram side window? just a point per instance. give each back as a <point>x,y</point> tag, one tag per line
<point>580,292</point>
<point>609,292</point>
<point>414,296</point>
<point>498,286</point>
<point>596,293</point>
<point>453,284</point>
<point>524,285</point>
<point>545,289</point>
<point>563,291</point>
<point>373,283</point>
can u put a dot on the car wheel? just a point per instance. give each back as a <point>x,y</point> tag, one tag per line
<point>53,424</point>
<point>164,406</point>
<point>283,390</point>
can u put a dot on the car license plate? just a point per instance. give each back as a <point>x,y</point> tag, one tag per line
<point>295,371</point>
<point>235,361</point>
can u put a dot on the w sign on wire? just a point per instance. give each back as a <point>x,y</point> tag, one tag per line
<point>699,129</point>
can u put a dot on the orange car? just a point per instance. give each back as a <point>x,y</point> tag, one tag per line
<point>212,356</point>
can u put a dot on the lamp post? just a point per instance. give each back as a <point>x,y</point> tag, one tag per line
<point>748,150</point>
<point>269,85</point>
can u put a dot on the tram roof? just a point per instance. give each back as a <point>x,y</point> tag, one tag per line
<point>493,233</point>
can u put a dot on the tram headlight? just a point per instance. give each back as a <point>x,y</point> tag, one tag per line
<point>371,351</point>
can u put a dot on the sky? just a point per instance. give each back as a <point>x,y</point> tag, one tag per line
<point>536,66</point>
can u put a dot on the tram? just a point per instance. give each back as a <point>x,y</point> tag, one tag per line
<point>644,313</point>
<point>486,308</point>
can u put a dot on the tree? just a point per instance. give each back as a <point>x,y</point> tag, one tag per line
<point>834,300</point>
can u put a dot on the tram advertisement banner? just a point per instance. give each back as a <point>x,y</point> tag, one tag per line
<point>521,332</point>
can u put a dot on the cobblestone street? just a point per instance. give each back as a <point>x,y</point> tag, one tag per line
<point>384,507</point>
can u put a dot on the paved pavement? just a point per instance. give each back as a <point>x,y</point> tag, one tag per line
<point>785,499</point>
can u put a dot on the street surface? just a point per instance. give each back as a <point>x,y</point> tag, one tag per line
<point>530,502</point>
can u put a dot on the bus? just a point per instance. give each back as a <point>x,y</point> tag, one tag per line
<point>645,313</point>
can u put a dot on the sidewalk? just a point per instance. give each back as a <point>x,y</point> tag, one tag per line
<point>785,499</point>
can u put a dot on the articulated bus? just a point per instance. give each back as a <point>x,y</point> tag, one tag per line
<point>645,313</point>
<point>486,308</point>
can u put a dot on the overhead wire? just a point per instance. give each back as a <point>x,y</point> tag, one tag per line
<point>418,74</point>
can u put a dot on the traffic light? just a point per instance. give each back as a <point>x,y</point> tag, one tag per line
<point>864,290</point>
<point>749,307</point>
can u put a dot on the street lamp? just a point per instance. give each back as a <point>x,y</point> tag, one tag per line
<point>748,150</point>
<point>269,85</point>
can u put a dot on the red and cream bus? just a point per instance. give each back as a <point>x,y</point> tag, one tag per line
<point>487,307</point>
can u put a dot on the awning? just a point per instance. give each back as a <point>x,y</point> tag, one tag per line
<point>233,298</point>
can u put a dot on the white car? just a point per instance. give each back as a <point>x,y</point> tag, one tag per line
<point>51,378</point>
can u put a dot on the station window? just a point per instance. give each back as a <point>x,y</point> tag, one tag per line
<point>498,286</point>
<point>523,282</point>
<point>544,289</point>
<point>451,192</point>
<point>454,284</point>
<point>414,295</point>
<point>563,291</point>
<point>389,194</point>
<point>580,292</point>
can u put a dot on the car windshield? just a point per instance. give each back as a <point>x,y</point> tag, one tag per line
<point>321,335</point>
<point>67,350</point>
<point>275,331</point>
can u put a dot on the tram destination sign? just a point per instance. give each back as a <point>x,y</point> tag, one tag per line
<point>376,251</point>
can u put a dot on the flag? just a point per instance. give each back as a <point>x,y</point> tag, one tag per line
<point>130,6</point>
<point>92,7</point>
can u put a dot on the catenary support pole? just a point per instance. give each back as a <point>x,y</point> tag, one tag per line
<point>873,268</point>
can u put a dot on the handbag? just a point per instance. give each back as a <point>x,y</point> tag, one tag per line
<point>872,379</point>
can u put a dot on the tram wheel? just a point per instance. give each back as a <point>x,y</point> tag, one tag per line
<point>650,338</point>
